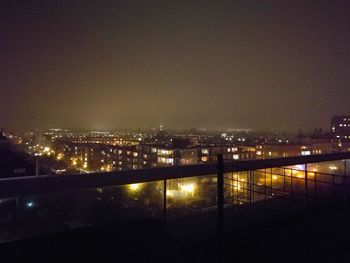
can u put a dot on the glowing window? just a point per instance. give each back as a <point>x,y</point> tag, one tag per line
<point>205,151</point>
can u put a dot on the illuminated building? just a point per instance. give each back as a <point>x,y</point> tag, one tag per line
<point>158,155</point>
<point>340,128</point>
<point>306,146</point>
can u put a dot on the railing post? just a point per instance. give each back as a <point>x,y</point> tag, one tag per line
<point>37,169</point>
<point>345,167</point>
<point>164,201</point>
<point>333,188</point>
<point>284,190</point>
<point>315,183</point>
<point>306,183</point>
<point>220,197</point>
<point>250,187</point>
<point>306,189</point>
<point>344,183</point>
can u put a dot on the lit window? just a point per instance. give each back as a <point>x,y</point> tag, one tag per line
<point>205,151</point>
<point>166,160</point>
<point>235,156</point>
<point>165,152</point>
<point>305,152</point>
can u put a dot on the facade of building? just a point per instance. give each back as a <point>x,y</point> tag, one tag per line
<point>305,146</point>
<point>92,157</point>
<point>153,155</point>
<point>340,128</point>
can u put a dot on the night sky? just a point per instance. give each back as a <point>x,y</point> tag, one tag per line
<point>114,64</point>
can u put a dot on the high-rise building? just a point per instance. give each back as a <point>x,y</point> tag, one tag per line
<point>340,128</point>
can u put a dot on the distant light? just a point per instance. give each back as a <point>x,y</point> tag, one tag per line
<point>300,175</point>
<point>298,167</point>
<point>188,188</point>
<point>134,187</point>
<point>170,193</point>
<point>59,156</point>
<point>46,149</point>
<point>30,204</point>
<point>235,156</point>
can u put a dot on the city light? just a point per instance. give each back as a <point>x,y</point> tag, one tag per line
<point>188,188</point>
<point>60,156</point>
<point>29,204</point>
<point>134,187</point>
<point>47,149</point>
<point>170,193</point>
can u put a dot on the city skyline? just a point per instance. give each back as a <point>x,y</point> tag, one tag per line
<point>174,131</point>
<point>266,65</point>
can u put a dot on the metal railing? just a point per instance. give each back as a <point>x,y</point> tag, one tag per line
<point>164,193</point>
<point>263,193</point>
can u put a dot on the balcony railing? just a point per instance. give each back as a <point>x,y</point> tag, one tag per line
<point>38,205</point>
